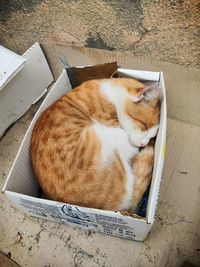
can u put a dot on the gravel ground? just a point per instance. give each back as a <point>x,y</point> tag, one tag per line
<point>166,29</point>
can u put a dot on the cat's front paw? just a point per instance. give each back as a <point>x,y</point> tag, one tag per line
<point>152,132</point>
<point>139,139</point>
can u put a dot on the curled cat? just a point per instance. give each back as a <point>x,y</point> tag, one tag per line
<point>86,147</point>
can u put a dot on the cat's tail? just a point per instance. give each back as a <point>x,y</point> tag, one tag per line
<point>143,168</point>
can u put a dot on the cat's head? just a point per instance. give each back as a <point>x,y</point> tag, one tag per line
<point>137,90</point>
<point>146,113</point>
<point>143,106</point>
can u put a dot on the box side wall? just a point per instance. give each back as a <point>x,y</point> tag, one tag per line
<point>21,177</point>
<point>140,75</point>
<point>159,157</point>
<point>182,84</point>
<point>102,221</point>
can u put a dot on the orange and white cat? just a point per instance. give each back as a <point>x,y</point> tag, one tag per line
<point>85,147</point>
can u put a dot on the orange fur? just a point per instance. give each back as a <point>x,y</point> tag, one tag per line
<point>143,167</point>
<point>145,115</point>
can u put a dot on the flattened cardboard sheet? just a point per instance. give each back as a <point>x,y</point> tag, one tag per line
<point>10,64</point>
<point>25,88</point>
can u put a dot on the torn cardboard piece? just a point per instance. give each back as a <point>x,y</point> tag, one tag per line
<point>10,64</point>
<point>25,88</point>
<point>78,75</point>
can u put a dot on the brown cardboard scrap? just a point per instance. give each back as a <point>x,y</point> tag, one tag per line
<point>79,75</point>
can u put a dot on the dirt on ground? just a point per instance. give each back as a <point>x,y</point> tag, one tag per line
<point>164,29</point>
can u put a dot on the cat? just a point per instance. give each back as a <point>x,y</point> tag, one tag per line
<point>90,147</point>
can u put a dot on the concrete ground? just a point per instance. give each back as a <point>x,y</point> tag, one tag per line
<point>166,29</point>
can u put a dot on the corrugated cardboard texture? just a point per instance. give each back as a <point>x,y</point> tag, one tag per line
<point>182,84</point>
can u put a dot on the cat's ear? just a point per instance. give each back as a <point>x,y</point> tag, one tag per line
<point>151,93</point>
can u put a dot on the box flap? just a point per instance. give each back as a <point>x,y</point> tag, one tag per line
<point>140,75</point>
<point>10,64</point>
<point>25,88</point>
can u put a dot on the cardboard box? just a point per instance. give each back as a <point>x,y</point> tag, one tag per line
<point>21,83</point>
<point>10,64</point>
<point>21,186</point>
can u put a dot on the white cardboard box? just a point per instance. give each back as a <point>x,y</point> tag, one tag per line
<point>25,80</point>
<point>21,186</point>
<point>10,64</point>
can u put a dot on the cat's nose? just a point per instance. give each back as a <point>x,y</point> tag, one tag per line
<point>142,145</point>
